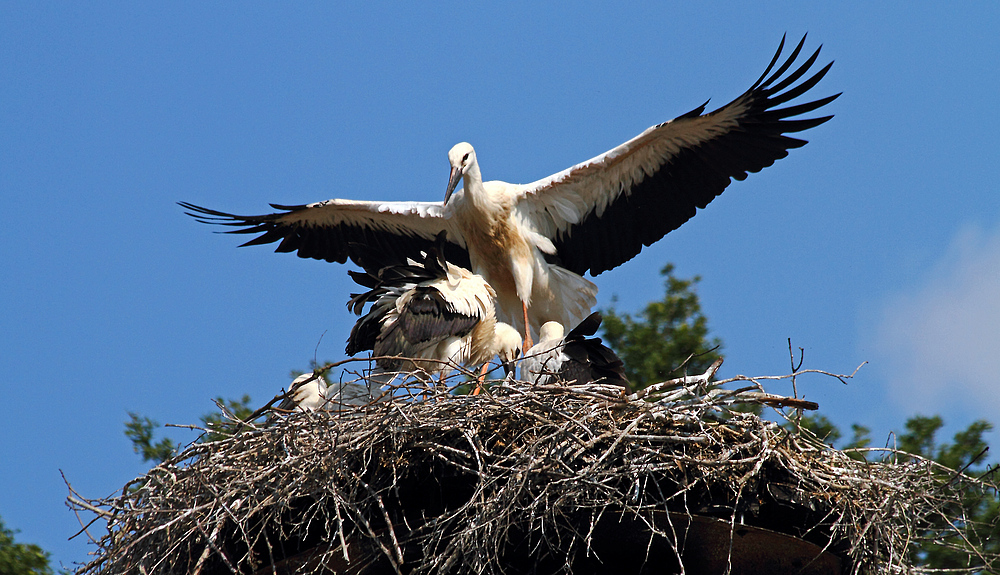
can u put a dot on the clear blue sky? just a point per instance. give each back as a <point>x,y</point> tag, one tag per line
<point>879,241</point>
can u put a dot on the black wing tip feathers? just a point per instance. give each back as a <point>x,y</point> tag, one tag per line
<point>289,208</point>
<point>321,240</point>
<point>204,215</point>
<point>772,85</point>
<point>693,113</point>
<point>209,216</point>
<point>388,278</point>
<point>603,365</point>
<point>587,327</point>
<point>384,273</point>
<point>759,135</point>
<point>776,87</point>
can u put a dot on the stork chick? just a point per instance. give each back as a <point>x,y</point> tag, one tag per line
<point>427,316</point>
<point>575,357</point>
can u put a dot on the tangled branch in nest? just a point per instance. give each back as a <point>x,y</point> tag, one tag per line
<point>558,478</point>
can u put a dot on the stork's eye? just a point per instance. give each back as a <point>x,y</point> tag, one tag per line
<point>465,158</point>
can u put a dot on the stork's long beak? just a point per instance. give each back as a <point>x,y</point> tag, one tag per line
<point>508,367</point>
<point>456,175</point>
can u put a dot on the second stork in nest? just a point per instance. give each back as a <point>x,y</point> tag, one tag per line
<point>427,317</point>
<point>575,358</point>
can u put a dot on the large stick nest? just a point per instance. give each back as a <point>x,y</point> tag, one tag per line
<point>546,477</point>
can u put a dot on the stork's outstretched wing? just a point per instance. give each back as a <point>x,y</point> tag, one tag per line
<point>332,229</point>
<point>601,213</point>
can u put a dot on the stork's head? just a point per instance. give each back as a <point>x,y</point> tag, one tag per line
<point>308,391</point>
<point>551,331</point>
<point>508,345</point>
<point>461,157</point>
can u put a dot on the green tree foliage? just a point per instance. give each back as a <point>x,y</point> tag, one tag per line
<point>982,509</point>
<point>820,426</point>
<point>860,437</point>
<point>220,426</point>
<point>979,508</point>
<point>140,430</point>
<point>825,429</point>
<point>21,558</point>
<point>666,338</point>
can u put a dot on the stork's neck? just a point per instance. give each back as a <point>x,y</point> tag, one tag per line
<point>475,192</point>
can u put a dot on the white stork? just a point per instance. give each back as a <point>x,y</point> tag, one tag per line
<point>575,357</point>
<point>427,316</point>
<point>534,242</point>
<point>310,392</point>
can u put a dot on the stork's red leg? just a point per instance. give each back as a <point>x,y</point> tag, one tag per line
<point>480,379</point>
<point>528,344</point>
